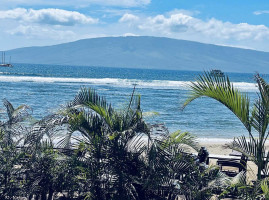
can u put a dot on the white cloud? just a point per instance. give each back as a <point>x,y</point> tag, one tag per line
<point>213,28</point>
<point>185,12</point>
<point>129,34</point>
<point>47,16</point>
<point>128,18</point>
<point>260,12</point>
<point>41,32</point>
<point>180,24</point>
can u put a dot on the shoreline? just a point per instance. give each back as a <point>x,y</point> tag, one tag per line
<point>216,145</point>
<point>214,140</point>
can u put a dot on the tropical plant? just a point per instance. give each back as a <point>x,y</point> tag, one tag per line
<point>257,118</point>
<point>203,183</point>
<point>10,184</point>
<point>103,153</point>
<point>236,186</point>
<point>119,157</point>
<point>10,156</point>
<point>38,170</point>
<point>265,188</point>
<point>13,121</point>
<point>15,115</point>
<point>240,188</point>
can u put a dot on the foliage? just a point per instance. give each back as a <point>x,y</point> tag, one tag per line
<point>9,158</point>
<point>255,119</point>
<point>203,183</point>
<point>107,153</point>
<point>120,157</point>
<point>103,153</point>
<point>238,187</point>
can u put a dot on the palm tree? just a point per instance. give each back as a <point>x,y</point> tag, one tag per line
<point>110,143</point>
<point>40,172</point>
<point>117,156</point>
<point>255,119</point>
<point>120,158</point>
<point>10,156</point>
<point>9,173</point>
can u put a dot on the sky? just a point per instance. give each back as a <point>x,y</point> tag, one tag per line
<point>237,23</point>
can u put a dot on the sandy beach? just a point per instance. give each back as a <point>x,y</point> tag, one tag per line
<point>217,146</point>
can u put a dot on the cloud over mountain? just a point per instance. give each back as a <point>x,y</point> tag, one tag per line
<point>183,23</point>
<point>97,18</point>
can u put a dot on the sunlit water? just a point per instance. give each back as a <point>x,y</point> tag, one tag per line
<point>46,87</point>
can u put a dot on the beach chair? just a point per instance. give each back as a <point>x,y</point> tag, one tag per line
<point>232,167</point>
<point>235,153</point>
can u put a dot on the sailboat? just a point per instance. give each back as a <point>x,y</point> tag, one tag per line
<point>4,64</point>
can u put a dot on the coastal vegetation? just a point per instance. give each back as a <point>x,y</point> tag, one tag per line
<point>255,119</point>
<point>90,150</point>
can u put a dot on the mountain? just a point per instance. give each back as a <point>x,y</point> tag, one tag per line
<point>145,52</point>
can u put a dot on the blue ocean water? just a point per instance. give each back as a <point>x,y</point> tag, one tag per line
<point>46,87</point>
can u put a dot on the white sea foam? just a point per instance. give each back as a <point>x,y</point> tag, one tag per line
<point>244,86</point>
<point>214,140</point>
<point>154,84</point>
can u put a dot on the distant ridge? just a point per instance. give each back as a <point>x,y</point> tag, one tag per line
<point>145,52</point>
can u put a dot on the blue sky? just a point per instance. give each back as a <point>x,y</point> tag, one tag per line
<point>239,23</point>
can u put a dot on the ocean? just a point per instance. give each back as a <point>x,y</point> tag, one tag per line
<point>46,87</point>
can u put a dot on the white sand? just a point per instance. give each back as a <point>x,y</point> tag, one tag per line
<point>216,146</point>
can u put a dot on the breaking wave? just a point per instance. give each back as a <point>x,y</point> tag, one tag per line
<point>153,84</point>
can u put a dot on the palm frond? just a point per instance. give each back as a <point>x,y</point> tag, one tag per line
<point>260,113</point>
<point>16,115</point>
<point>221,89</point>
<point>247,147</point>
<point>239,179</point>
<point>259,118</point>
<point>45,129</point>
<point>87,124</point>
<point>9,107</point>
<point>88,97</point>
<point>265,187</point>
<point>179,138</point>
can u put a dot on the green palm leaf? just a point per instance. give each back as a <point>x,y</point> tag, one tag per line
<point>221,89</point>
<point>179,138</point>
<point>16,115</point>
<point>260,112</point>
